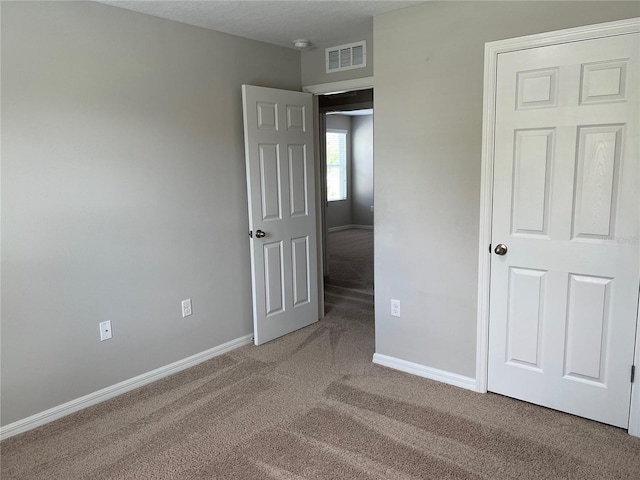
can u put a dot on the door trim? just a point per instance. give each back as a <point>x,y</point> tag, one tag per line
<point>339,87</point>
<point>491,52</point>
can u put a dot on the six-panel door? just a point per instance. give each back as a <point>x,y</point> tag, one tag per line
<point>564,297</point>
<point>280,185</point>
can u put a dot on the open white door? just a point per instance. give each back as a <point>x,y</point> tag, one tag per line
<point>278,135</point>
<point>565,264</point>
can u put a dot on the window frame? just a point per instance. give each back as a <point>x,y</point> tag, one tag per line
<point>344,167</point>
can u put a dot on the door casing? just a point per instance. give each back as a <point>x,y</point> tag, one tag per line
<point>492,50</point>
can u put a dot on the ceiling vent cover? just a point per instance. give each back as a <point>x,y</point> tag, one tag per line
<point>346,57</point>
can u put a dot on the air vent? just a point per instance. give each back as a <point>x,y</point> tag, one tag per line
<point>346,57</point>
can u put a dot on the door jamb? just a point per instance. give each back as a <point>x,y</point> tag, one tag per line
<point>340,87</point>
<point>491,52</point>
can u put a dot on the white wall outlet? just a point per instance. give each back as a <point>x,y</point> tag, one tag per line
<point>395,308</point>
<point>186,307</point>
<point>105,330</point>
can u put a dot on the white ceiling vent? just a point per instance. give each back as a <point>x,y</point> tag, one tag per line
<point>346,57</point>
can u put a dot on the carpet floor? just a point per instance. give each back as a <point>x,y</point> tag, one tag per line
<point>351,259</point>
<point>312,405</point>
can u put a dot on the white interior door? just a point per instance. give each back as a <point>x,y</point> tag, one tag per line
<point>564,296</point>
<point>278,133</point>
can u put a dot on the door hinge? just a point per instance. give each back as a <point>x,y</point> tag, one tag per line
<point>250,233</point>
<point>489,248</point>
<point>633,373</point>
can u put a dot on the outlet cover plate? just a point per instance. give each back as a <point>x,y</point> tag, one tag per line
<point>186,308</point>
<point>105,330</point>
<point>395,308</point>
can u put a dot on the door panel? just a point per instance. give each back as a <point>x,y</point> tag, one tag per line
<point>281,197</point>
<point>565,202</point>
<point>597,188</point>
<point>525,309</point>
<point>587,328</point>
<point>273,273</point>
<point>270,187</point>
<point>531,178</point>
<point>300,255</point>
<point>298,168</point>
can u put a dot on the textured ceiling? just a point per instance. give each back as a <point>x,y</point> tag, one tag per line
<point>323,22</point>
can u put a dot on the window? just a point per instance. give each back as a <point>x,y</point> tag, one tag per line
<point>336,165</point>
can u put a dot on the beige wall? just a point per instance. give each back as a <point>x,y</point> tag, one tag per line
<point>428,134</point>
<point>356,209</point>
<point>123,192</point>
<point>362,170</point>
<point>123,185</point>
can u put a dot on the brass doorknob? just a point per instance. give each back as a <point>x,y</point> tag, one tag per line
<point>260,234</point>
<point>500,249</point>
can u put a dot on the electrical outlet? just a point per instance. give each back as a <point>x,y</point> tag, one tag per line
<point>395,308</point>
<point>186,307</point>
<point>105,330</point>
<point>371,208</point>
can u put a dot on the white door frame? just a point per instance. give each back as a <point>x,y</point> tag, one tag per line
<point>340,87</point>
<point>491,52</point>
<point>323,89</point>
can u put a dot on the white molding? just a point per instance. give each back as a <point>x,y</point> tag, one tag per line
<point>443,376</point>
<point>81,403</point>
<point>349,227</point>
<point>492,50</point>
<point>321,204</point>
<point>339,87</point>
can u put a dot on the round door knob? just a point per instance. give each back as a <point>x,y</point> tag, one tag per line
<point>500,249</point>
<point>260,234</point>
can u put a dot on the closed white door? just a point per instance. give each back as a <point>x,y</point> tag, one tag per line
<point>278,133</point>
<point>565,260</point>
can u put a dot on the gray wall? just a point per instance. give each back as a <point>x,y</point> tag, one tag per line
<point>338,213</point>
<point>123,192</point>
<point>362,170</point>
<point>428,134</point>
<point>314,64</point>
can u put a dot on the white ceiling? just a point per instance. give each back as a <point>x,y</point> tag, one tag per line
<point>324,22</point>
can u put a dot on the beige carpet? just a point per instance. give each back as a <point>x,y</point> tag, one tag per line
<point>351,259</point>
<point>312,405</point>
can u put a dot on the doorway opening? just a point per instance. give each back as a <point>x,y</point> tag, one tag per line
<point>346,148</point>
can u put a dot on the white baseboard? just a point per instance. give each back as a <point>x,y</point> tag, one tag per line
<point>348,227</point>
<point>443,376</point>
<point>72,406</point>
